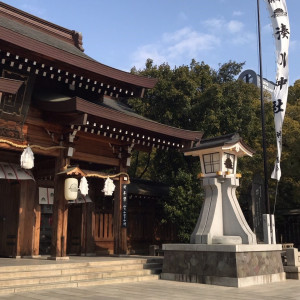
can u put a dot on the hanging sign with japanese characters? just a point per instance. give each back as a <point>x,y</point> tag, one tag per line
<point>281,29</point>
<point>124,205</point>
<point>46,195</point>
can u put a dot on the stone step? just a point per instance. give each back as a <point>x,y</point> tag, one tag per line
<point>116,267</point>
<point>74,284</point>
<point>27,288</point>
<point>78,270</point>
<point>60,275</point>
<point>107,275</point>
<point>69,265</point>
<point>77,277</point>
<point>118,280</point>
<point>27,274</point>
<point>34,280</point>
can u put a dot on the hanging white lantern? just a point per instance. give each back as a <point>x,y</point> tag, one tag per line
<point>84,186</point>
<point>109,187</point>
<point>71,188</point>
<point>27,159</point>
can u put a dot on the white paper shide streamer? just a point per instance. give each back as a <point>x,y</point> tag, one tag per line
<point>27,159</point>
<point>109,187</point>
<point>83,186</point>
<point>281,30</point>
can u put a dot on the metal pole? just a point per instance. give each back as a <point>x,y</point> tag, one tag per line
<point>263,124</point>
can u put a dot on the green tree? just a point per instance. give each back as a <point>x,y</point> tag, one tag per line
<point>289,185</point>
<point>184,203</point>
<point>197,97</point>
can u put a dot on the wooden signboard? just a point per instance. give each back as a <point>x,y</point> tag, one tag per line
<point>124,205</point>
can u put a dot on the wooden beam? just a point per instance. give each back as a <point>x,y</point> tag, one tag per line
<point>96,158</point>
<point>95,137</point>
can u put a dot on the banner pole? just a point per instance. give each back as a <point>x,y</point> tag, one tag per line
<point>266,186</point>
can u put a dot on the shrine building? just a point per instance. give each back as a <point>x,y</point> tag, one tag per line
<point>70,111</point>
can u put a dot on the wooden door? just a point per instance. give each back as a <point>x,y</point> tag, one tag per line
<point>9,216</point>
<point>103,233</point>
<point>74,238</point>
<point>102,218</point>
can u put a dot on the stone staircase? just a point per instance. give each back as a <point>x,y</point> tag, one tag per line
<point>14,279</point>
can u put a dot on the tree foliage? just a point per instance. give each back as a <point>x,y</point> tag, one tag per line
<point>289,185</point>
<point>197,97</point>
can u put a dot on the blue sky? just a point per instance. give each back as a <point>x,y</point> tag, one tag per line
<point>124,33</point>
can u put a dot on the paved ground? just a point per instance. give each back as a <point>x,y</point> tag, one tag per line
<point>157,289</point>
<point>161,289</point>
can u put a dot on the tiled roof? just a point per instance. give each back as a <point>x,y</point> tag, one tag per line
<point>9,86</point>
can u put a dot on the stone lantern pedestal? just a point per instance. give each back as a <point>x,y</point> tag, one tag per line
<point>223,249</point>
<point>221,220</point>
<point>222,264</point>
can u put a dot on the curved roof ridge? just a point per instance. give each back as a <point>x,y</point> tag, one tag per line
<point>41,24</point>
<point>17,31</point>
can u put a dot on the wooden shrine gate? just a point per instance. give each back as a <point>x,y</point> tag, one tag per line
<point>90,225</point>
<point>103,232</point>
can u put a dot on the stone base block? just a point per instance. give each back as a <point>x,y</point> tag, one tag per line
<point>292,272</point>
<point>226,265</point>
<point>229,240</point>
<point>225,281</point>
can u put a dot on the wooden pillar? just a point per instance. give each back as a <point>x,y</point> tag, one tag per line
<point>60,212</point>
<point>26,224</point>
<point>36,227</point>
<point>120,233</point>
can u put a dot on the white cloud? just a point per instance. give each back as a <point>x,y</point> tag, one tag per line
<point>233,31</point>
<point>176,36</point>
<point>294,45</point>
<point>214,24</point>
<point>235,26</point>
<point>191,43</point>
<point>185,42</point>
<point>217,25</point>
<point>267,29</point>
<point>244,39</point>
<point>182,16</point>
<point>34,10</point>
<point>140,56</point>
<point>237,13</point>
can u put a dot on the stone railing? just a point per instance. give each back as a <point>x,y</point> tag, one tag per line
<point>292,268</point>
<point>292,257</point>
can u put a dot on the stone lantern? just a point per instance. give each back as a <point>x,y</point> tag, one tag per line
<point>221,220</point>
<point>222,248</point>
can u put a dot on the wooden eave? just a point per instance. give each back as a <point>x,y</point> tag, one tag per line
<point>67,61</point>
<point>97,119</point>
<point>9,86</point>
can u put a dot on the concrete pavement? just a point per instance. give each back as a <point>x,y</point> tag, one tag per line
<point>162,289</point>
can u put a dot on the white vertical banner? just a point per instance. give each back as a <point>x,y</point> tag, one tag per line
<point>281,30</point>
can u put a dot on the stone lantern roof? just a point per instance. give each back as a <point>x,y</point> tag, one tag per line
<point>232,141</point>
